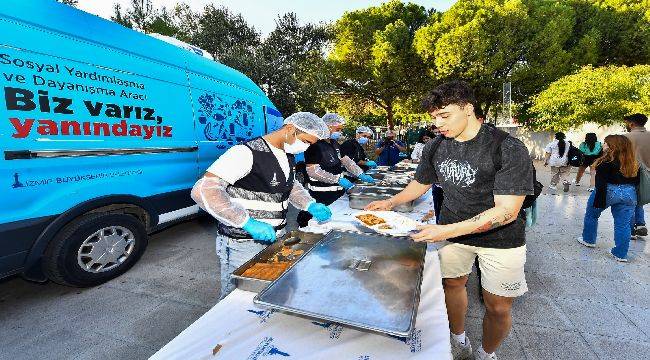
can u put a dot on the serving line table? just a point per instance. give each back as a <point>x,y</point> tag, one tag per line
<point>236,329</point>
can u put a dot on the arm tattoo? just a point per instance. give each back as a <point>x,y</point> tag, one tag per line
<point>493,223</point>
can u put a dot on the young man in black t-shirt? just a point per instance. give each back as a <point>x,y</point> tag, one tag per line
<point>479,216</point>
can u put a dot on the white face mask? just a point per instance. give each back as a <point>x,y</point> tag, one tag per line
<point>297,147</point>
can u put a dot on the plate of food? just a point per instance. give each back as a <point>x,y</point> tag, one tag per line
<point>387,222</point>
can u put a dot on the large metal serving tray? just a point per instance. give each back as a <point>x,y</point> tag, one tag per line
<point>307,240</point>
<point>360,196</point>
<point>367,281</point>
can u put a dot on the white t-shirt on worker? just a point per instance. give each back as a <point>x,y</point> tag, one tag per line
<point>554,149</point>
<point>237,162</point>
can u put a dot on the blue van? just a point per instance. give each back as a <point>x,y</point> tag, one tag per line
<point>103,133</point>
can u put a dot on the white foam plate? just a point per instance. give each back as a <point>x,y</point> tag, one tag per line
<point>400,224</point>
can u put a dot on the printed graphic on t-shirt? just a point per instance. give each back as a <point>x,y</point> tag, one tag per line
<point>457,172</point>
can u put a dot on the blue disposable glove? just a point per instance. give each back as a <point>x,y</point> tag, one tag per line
<point>345,183</point>
<point>259,230</point>
<point>320,211</point>
<point>366,178</point>
<point>371,164</point>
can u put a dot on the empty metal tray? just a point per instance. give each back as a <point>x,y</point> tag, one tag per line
<point>367,281</point>
<point>360,196</point>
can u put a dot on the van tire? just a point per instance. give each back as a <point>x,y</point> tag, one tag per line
<point>60,260</point>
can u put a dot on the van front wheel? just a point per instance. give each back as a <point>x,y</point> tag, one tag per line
<point>94,249</point>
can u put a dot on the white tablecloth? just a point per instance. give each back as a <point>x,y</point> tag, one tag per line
<point>242,331</point>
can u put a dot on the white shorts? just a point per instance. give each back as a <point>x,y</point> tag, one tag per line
<point>502,270</point>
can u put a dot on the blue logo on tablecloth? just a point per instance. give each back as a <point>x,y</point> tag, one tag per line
<point>264,315</point>
<point>334,329</point>
<point>364,357</point>
<point>414,341</point>
<point>266,348</point>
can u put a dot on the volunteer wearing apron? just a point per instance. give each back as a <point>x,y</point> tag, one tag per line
<point>249,187</point>
<point>353,148</point>
<point>326,175</point>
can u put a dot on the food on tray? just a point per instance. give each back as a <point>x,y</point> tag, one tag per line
<point>286,253</point>
<point>370,219</point>
<point>428,216</point>
<point>266,271</point>
<point>384,227</point>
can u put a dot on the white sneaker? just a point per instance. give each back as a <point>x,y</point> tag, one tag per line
<point>461,351</point>
<point>618,258</point>
<point>576,183</point>
<point>590,189</point>
<point>589,245</point>
<point>482,355</point>
<point>552,187</point>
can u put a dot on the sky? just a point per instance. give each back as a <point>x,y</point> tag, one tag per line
<point>262,13</point>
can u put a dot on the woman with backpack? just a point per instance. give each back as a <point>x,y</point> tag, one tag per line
<point>617,176</point>
<point>556,156</point>
<point>592,149</point>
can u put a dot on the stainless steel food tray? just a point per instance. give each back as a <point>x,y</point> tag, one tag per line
<point>367,281</point>
<point>307,240</point>
<point>360,196</point>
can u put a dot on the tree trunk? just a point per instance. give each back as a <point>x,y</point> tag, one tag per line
<point>389,117</point>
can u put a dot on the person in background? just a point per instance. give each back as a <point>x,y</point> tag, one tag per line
<point>617,175</point>
<point>417,149</point>
<point>326,180</point>
<point>248,190</point>
<point>592,149</point>
<point>557,157</point>
<point>353,148</point>
<point>388,150</point>
<point>640,138</point>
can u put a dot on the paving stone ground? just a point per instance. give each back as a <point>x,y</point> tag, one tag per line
<point>581,304</point>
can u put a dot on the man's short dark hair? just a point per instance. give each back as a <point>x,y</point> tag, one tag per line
<point>453,92</point>
<point>636,119</point>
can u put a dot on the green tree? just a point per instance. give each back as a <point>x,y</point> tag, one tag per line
<point>228,38</point>
<point>601,95</point>
<point>120,17</point>
<point>373,59</point>
<point>293,70</point>
<point>531,43</point>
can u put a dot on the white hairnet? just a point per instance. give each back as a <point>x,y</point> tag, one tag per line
<point>364,129</point>
<point>332,119</point>
<point>309,123</point>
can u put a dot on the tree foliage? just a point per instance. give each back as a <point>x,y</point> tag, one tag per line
<point>373,59</point>
<point>601,95</point>
<point>378,62</point>
<point>531,43</point>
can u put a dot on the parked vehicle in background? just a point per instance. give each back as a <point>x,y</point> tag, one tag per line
<point>103,132</point>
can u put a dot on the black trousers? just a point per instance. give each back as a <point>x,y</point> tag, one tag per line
<point>323,197</point>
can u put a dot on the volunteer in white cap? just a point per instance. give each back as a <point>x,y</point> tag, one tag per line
<point>326,170</point>
<point>249,187</point>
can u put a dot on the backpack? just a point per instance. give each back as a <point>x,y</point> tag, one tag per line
<point>575,156</point>
<point>499,137</point>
